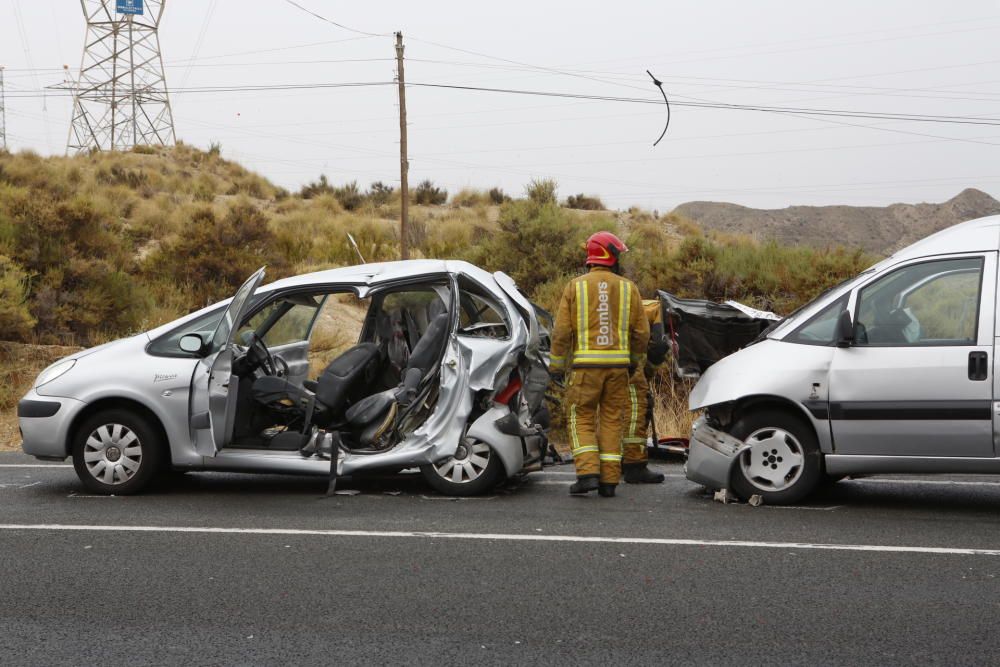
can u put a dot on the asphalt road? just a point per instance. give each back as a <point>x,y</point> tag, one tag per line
<point>243,570</point>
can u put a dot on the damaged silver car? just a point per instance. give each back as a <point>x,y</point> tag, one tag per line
<point>431,364</point>
<point>891,372</point>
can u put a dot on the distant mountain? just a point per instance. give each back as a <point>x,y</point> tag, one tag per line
<point>880,230</point>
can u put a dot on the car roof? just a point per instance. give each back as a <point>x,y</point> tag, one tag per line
<point>373,274</point>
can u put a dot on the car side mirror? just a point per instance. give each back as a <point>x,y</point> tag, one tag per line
<point>845,329</point>
<point>192,343</point>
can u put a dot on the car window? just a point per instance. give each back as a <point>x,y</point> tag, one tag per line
<point>821,329</point>
<point>284,321</point>
<point>480,315</point>
<point>931,303</point>
<point>168,345</point>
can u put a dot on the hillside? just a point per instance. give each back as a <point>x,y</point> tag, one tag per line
<point>878,230</point>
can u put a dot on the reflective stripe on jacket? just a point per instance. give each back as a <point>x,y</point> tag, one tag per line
<point>600,323</point>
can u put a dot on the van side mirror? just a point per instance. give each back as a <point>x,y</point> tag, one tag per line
<point>845,329</point>
<point>192,343</point>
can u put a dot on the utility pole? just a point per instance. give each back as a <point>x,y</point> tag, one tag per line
<point>404,164</point>
<point>3,116</point>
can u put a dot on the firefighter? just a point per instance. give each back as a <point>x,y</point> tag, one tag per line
<point>601,335</point>
<point>640,413</point>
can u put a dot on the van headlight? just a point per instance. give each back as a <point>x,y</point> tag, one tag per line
<point>57,369</point>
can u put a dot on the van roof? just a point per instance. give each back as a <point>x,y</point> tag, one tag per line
<point>976,235</point>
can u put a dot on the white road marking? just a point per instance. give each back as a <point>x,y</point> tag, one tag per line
<point>938,482</point>
<point>502,537</point>
<point>36,465</point>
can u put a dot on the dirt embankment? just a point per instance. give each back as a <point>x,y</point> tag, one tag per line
<point>19,365</point>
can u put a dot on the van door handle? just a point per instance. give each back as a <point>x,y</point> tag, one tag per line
<point>978,366</point>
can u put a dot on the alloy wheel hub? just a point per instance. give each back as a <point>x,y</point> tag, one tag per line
<point>773,462</point>
<point>470,460</point>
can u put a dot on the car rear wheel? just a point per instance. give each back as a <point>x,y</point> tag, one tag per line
<point>782,463</point>
<point>117,452</point>
<point>474,469</point>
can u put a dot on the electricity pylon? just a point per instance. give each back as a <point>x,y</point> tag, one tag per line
<point>120,98</point>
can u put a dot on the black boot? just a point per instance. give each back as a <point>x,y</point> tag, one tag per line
<point>584,485</point>
<point>607,490</point>
<point>638,473</point>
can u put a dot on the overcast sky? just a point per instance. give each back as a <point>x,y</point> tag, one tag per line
<point>891,56</point>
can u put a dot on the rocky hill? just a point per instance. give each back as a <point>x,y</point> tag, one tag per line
<point>879,230</point>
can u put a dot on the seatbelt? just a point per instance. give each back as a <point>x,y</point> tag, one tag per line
<point>310,406</point>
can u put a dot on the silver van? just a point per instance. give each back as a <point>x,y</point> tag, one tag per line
<point>890,372</point>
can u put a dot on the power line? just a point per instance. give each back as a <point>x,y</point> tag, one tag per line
<point>332,22</point>
<point>692,102</point>
<point>200,40</point>
<point>241,88</point>
<point>924,118</point>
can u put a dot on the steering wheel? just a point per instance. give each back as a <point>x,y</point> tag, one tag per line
<point>260,356</point>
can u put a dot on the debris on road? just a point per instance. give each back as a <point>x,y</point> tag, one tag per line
<point>755,500</point>
<point>725,496</point>
<point>346,492</point>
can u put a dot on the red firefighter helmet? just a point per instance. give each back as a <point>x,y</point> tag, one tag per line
<point>603,249</point>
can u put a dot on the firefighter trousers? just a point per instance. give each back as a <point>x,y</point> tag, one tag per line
<point>597,400</point>
<point>636,419</point>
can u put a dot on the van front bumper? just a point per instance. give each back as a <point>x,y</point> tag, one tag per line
<point>45,422</point>
<point>711,455</point>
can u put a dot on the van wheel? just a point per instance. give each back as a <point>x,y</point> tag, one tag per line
<point>473,470</point>
<point>117,452</point>
<point>782,463</point>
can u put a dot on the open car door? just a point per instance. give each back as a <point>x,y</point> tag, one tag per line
<point>214,388</point>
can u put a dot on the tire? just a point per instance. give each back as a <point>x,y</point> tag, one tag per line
<point>474,470</point>
<point>117,452</point>
<point>782,465</point>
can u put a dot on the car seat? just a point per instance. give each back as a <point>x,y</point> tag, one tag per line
<point>371,417</point>
<point>320,402</point>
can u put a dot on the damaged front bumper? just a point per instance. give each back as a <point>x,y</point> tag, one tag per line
<point>711,455</point>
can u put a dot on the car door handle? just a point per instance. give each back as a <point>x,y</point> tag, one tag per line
<point>978,366</point>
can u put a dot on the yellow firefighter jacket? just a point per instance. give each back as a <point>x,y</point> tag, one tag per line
<point>600,323</point>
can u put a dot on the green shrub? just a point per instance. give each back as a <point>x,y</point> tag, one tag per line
<point>541,190</point>
<point>349,196</point>
<point>498,196</point>
<point>537,241</point>
<point>16,321</point>
<point>320,187</point>
<point>215,253</point>
<point>427,194</point>
<point>469,197</point>
<point>585,203</point>
<point>380,194</point>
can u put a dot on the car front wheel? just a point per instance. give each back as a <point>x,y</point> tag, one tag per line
<point>116,452</point>
<point>782,461</point>
<point>474,469</point>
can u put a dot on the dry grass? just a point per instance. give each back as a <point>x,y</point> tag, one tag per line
<point>19,365</point>
<point>670,406</point>
<point>338,328</point>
